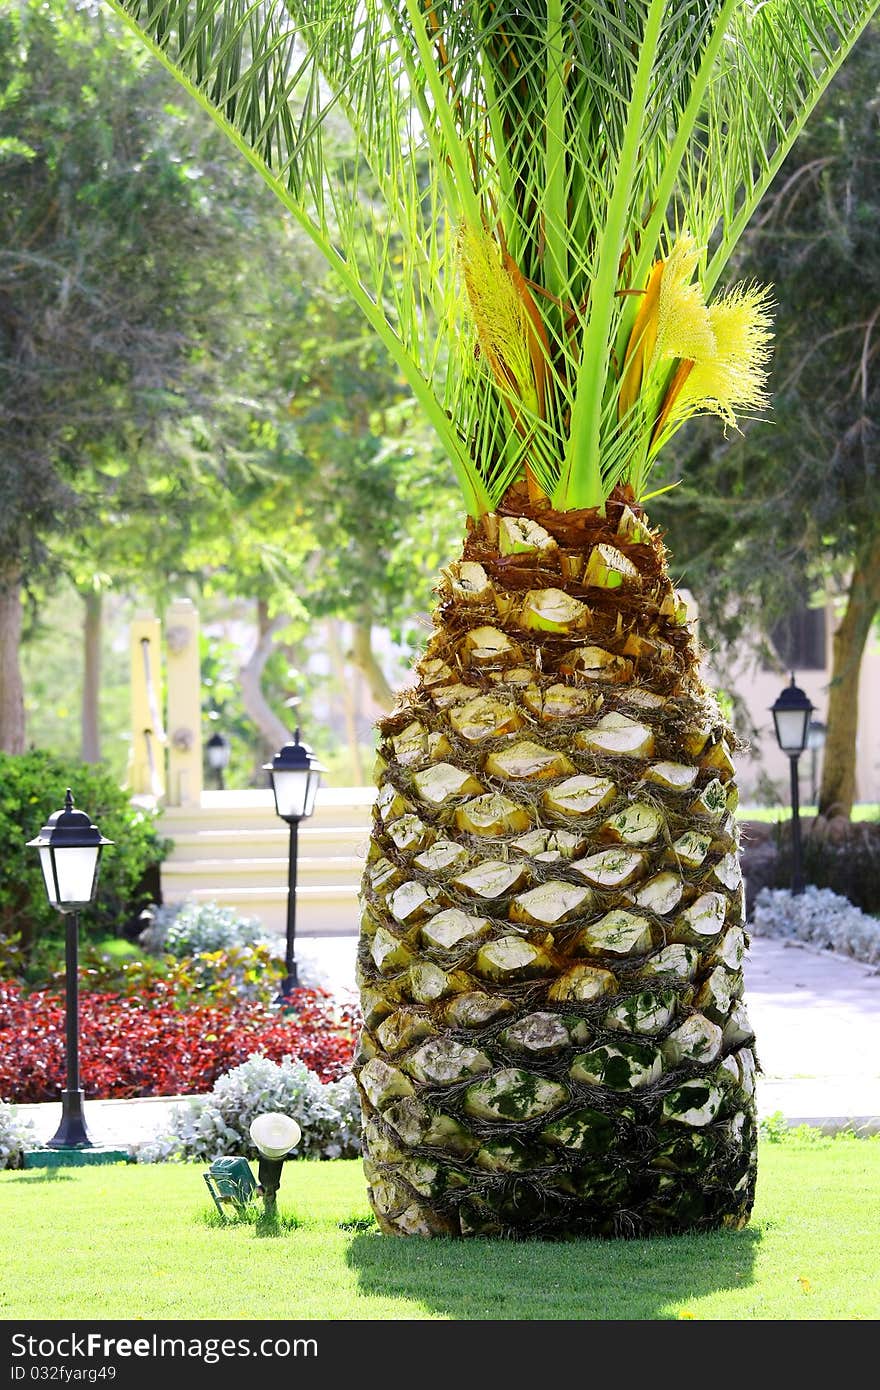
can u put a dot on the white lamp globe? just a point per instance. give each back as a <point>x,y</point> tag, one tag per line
<point>275,1134</point>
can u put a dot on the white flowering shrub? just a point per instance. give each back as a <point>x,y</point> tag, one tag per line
<point>819,917</point>
<point>328,1113</point>
<point>16,1137</point>
<point>193,928</point>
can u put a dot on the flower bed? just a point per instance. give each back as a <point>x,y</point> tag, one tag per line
<point>151,1047</point>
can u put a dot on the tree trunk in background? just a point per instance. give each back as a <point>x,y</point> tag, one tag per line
<point>273,731</point>
<point>348,698</point>
<point>91,691</point>
<point>364,658</point>
<point>838,789</point>
<point>12,726</point>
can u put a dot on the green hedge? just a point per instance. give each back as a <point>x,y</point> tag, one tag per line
<point>32,787</point>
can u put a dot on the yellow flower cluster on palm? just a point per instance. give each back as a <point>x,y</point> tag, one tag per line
<point>722,349</point>
<point>509,328</point>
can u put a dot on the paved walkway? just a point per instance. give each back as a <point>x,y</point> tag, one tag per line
<point>816,1017</point>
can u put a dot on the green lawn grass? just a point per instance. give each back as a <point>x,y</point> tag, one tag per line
<point>771,814</point>
<point>139,1241</point>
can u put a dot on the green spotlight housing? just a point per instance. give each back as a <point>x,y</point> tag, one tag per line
<point>231,1184</point>
<point>230,1180</point>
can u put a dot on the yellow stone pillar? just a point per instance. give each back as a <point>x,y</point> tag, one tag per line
<point>184,678</point>
<point>146,758</point>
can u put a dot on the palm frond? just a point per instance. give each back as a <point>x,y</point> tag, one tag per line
<point>584,139</point>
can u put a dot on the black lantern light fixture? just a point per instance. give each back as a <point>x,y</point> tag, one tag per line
<point>791,719</point>
<point>70,848</point>
<point>217,751</point>
<point>295,775</point>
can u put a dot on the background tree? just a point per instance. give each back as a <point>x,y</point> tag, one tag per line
<point>168,343</point>
<point>334,534</point>
<point>109,341</point>
<point>790,507</point>
<point>369,459</point>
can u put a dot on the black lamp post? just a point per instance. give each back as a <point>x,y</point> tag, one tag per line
<point>295,775</point>
<point>70,852</point>
<point>217,751</point>
<point>791,718</point>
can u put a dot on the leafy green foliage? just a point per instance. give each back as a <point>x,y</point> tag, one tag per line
<point>32,787</point>
<point>338,532</point>
<point>128,401</point>
<point>813,466</point>
<point>814,463</point>
<point>12,955</point>
<point>368,463</point>
<point>105,323</point>
<point>328,527</point>
<point>581,136</point>
<point>197,954</point>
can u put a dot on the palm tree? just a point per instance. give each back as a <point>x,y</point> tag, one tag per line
<point>533,204</point>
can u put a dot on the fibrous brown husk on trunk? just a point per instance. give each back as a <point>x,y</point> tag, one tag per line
<point>552,936</point>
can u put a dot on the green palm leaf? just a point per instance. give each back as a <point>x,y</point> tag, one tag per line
<point>580,138</point>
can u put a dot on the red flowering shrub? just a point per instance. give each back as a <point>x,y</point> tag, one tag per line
<point>149,1047</point>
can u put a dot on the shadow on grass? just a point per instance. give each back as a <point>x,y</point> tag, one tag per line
<point>591,1280</point>
<point>265,1225</point>
<point>39,1175</point>
<point>269,1225</point>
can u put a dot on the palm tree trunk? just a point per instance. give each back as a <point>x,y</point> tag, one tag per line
<point>553,865</point>
<point>90,716</point>
<point>12,722</point>
<point>838,790</point>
